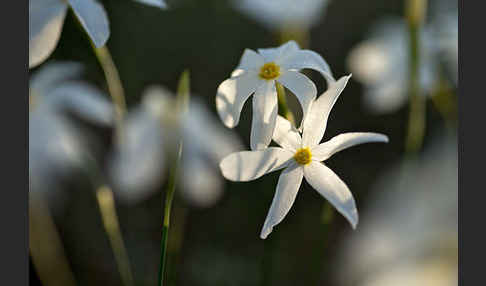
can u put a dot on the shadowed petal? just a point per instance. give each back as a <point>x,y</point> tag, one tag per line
<point>250,165</point>
<point>45,24</point>
<point>303,88</point>
<point>232,95</point>
<point>250,60</point>
<point>287,189</point>
<point>342,141</point>
<point>307,59</point>
<point>316,121</point>
<point>156,3</point>
<point>286,135</point>
<point>92,17</point>
<point>275,54</point>
<point>265,106</point>
<point>331,187</point>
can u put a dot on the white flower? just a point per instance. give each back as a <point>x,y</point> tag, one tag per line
<point>46,18</point>
<point>155,3</point>
<point>276,14</point>
<point>151,133</point>
<point>257,74</point>
<point>382,62</point>
<point>301,157</point>
<point>58,146</point>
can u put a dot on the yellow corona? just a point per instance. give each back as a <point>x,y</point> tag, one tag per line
<point>269,71</point>
<point>303,156</point>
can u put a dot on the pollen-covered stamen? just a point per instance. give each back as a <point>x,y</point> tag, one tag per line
<point>303,156</point>
<point>269,71</point>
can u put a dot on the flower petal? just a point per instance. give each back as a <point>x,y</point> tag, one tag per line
<point>274,54</point>
<point>331,187</point>
<point>45,24</point>
<point>287,189</point>
<point>52,74</point>
<point>343,141</point>
<point>286,135</point>
<point>303,88</point>
<point>250,60</point>
<point>307,59</point>
<point>156,3</point>
<point>92,17</point>
<point>316,121</point>
<point>250,165</point>
<point>265,106</point>
<point>232,95</point>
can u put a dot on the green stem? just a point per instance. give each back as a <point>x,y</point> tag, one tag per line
<point>182,104</point>
<point>416,123</point>
<point>45,246</point>
<point>283,108</point>
<point>113,81</point>
<point>106,203</point>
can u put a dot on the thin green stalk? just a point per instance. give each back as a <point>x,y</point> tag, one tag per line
<point>182,104</point>
<point>113,81</point>
<point>106,203</point>
<point>45,246</point>
<point>283,108</point>
<point>416,124</point>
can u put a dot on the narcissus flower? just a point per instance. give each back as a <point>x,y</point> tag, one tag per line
<point>301,157</point>
<point>46,18</point>
<point>151,134</point>
<point>257,74</point>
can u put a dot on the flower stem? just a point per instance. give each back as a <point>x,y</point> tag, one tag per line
<point>45,246</point>
<point>113,81</point>
<point>106,203</point>
<point>182,104</point>
<point>415,10</point>
<point>283,108</point>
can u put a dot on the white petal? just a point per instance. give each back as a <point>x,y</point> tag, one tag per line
<point>250,165</point>
<point>303,88</point>
<point>82,100</point>
<point>343,141</point>
<point>316,121</point>
<point>155,3</point>
<point>265,107</point>
<point>250,60</point>
<point>232,95</point>
<point>307,59</point>
<point>138,166</point>
<point>45,24</point>
<point>213,139</point>
<point>205,186</point>
<point>275,54</point>
<point>52,74</point>
<point>92,17</point>
<point>331,187</point>
<point>286,135</point>
<point>287,189</point>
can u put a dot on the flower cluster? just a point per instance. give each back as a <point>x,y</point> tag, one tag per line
<point>299,154</point>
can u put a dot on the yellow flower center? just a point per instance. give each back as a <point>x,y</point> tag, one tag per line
<point>269,71</point>
<point>303,156</point>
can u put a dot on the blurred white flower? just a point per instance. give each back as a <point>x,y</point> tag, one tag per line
<point>58,145</point>
<point>257,74</point>
<point>301,157</point>
<point>382,62</point>
<point>276,14</point>
<point>408,233</point>
<point>155,3</point>
<point>150,136</point>
<point>46,18</point>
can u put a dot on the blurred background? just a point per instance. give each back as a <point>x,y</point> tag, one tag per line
<point>407,234</point>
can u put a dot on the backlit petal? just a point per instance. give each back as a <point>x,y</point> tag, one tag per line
<point>286,135</point>
<point>265,107</point>
<point>92,17</point>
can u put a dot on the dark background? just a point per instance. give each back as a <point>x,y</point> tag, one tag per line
<point>221,245</point>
